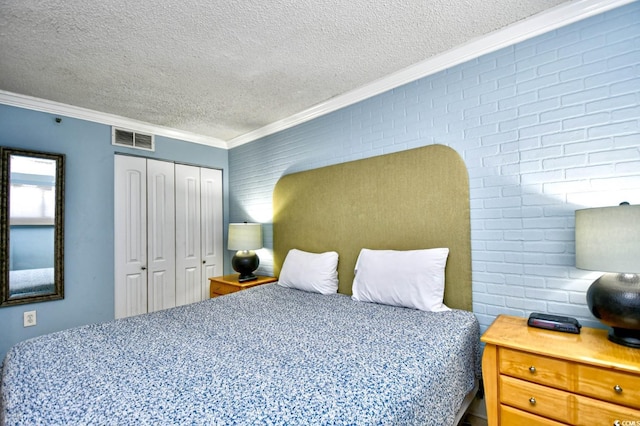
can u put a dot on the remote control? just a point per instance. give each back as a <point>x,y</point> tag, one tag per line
<point>554,322</point>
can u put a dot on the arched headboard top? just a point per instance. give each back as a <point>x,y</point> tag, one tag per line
<point>412,199</point>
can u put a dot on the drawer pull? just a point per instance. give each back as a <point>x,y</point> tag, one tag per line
<point>617,388</point>
<point>532,369</point>
<point>532,401</point>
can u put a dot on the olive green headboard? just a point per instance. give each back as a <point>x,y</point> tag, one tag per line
<point>412,199</point>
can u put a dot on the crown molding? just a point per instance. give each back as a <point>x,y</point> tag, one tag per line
<point>43,105</point>
<point>541,23</point>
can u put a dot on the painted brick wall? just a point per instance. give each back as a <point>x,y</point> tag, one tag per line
<point>545,127</point>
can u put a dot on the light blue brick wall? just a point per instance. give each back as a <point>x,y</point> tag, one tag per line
<point>545,127</point>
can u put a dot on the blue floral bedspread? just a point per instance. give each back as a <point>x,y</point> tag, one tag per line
<point>264,356</point>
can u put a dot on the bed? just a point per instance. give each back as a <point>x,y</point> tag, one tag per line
<point>277,355</point>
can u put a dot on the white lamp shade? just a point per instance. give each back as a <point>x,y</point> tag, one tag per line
<point>245,236</point>
<point>608,239</point>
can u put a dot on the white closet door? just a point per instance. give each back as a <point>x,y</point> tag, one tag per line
<point>211,227</point>
<point>188,258</point>
<point>161,243</point>
<point>130,236</point>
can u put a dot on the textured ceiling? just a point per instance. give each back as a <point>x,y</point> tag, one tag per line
<point>224,68</point>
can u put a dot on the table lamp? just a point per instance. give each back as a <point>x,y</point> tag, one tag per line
<point>608,240</point>
<point>245,238</point>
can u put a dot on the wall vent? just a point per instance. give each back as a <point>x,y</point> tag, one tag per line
<point>131,139</point>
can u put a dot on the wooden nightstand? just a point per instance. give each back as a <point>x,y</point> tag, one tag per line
<point>219,286</point>
<point>541,377</point>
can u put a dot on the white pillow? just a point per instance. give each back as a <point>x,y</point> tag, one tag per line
<point>315,272</point>
<point>413,278</point>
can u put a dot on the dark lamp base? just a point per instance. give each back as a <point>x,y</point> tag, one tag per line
<point>245,262</point>
<point>615,300</point>
<point>625,337</point>
<point>245,278</point>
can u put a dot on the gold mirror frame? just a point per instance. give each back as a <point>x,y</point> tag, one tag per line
<point>54,291</point>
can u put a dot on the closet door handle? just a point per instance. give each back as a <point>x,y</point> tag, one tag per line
<point>144,268</point>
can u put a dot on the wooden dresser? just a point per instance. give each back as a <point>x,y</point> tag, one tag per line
<point>219,286</point>
<point>540,377</point>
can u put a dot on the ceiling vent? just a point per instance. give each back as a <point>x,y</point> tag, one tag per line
<point>131,139</point>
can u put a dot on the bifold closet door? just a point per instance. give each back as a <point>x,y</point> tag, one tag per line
<point>188,263</point>
<point>130,236</point>
<point>198,231</point>
<point>161,237</point>
<point>144,236</point>
<point>211,242</point>
<point>168,234</point>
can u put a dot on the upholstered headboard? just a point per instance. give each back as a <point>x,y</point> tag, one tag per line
<point>412,199</point>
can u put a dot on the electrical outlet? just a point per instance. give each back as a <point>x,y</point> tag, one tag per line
<point>29,318</point>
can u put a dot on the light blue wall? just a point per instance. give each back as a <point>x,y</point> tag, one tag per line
<point>545,127</point>
<point>89,229</point>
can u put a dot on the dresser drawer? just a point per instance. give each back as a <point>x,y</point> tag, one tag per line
<point>218,289</point>
<point>513,416</point>
<point>537,399</point>
<point>591,412</point>
<point>535,368</point>
<point>612,386</point>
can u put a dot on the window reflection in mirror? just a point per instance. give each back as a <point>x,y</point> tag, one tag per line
<point>32,226</point>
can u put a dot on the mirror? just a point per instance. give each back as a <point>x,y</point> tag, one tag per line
<point>31,226</point>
